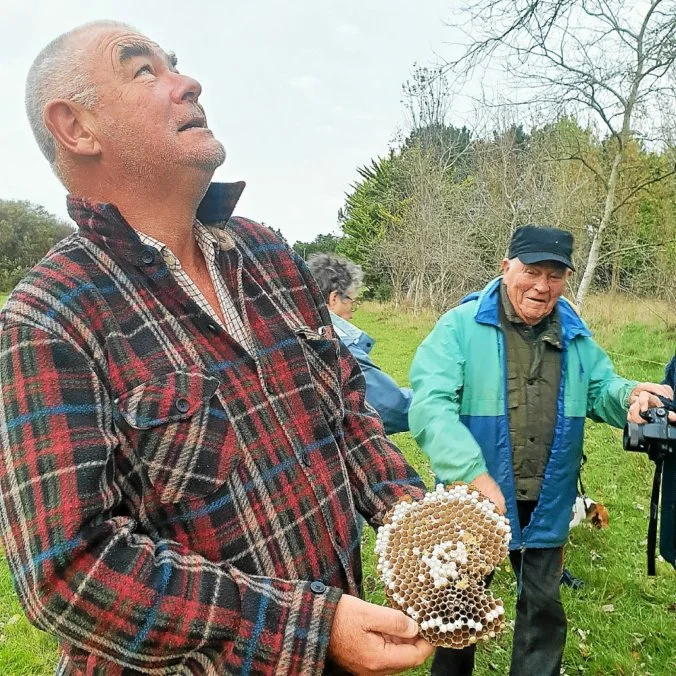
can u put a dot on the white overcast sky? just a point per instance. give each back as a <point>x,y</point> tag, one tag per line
<point>300,92</point>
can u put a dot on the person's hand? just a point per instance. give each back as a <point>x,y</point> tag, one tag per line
<point>370,639</point>
<point>643,397</point>
<point>488,486</point>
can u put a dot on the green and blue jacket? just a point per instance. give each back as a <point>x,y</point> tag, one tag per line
<point>459,413</point>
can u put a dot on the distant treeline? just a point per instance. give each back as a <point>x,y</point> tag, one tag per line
<point>431,220</point>
<point>27,232</point>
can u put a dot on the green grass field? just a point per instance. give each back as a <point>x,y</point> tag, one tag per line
<point>3,298</point>
<point>622,622</point>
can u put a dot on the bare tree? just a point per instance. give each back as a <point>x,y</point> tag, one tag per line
<point>426,98</point>
<point>611,60</point>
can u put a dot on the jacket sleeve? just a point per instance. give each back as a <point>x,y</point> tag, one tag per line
<point>379,474</point>
<point>83,569</point>
<point>670,374</point>
<point>382,392</point>
<point>608,393</point>
<point>437,377</point>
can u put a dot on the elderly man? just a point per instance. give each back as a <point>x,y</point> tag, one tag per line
<point>184,444</point>
<point>501,389</point>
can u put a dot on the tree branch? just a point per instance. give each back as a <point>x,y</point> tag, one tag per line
<point>657,245</point>
<point>641,186</point>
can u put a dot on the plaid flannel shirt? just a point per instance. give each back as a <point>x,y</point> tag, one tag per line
<point>210,246</point>
<point>172,504</point>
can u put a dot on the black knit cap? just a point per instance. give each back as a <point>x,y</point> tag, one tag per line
<point>535,244</point>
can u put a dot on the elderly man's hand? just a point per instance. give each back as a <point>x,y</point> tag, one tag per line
<point>489,487</point>
<point>644,396</point>
<point>370,639</point>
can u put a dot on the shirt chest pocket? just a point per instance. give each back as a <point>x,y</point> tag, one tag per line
<point>178,428</point>
<point>321,351</point>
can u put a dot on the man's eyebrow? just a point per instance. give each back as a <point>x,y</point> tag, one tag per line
<point>130,50</point>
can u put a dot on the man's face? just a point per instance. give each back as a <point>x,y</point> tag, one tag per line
<point>147,118</point>
<point>533,289</point>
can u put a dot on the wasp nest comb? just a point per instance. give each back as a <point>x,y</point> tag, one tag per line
<point>433,556</point>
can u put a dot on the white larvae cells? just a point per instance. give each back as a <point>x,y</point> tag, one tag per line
<point>433,556</point>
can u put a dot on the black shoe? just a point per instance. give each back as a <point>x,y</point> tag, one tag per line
<point>570,580</point>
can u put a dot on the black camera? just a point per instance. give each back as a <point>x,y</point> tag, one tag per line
<point>657,438</point>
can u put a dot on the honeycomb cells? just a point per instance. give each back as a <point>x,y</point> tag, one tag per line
<point>433,556</point>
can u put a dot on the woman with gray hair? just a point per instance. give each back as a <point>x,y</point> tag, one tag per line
<point>339,280</point>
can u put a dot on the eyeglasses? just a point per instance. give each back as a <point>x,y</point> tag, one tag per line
<point>355,302</point>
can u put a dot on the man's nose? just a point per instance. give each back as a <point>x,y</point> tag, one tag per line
<point>541,285</point>
<point>186,89</point>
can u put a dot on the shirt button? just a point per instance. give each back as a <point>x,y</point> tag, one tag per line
<point>212,327</point>
<point>306,459</point>
<point>531,439</point>
<point>317,587</point>
<point>182,405</point>
<point>531,381</point>
<point>148,257</point>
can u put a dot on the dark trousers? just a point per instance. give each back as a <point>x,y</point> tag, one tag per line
<point>540,627</point>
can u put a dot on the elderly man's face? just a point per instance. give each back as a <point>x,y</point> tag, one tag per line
<point>533,289</point>
<point>147,117</point>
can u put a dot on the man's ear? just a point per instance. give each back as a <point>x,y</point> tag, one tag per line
<point>332,300</point>
<point>67,123</point>
<point>505,265</point>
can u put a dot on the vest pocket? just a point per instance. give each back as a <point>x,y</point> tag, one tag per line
<point>179,430</point>
<point>515,393</point>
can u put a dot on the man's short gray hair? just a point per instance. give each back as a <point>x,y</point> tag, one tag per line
<point>335,273</point>
<point>58,72</point>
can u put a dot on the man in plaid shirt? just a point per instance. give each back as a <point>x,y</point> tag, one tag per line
<point>184,443</point>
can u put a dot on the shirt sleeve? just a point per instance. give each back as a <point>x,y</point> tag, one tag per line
<point>670,374</point>
<point>608,394</point>
<point>379,474</point>
<point>437,377</point>
<point>82,568</point>
<point>382,392</point>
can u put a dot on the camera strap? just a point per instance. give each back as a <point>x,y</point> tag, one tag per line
<point>580,486</point>
<point>654,510</point>
<point>655,496</point>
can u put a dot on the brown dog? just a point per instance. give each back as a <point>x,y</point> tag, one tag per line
<point>590,511</point>
<point>593,513</point>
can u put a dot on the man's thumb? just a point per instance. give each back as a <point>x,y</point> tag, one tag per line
<point>393,622</point>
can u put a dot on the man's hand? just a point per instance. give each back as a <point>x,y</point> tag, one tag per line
<point>370,639</point>
<point>487,485</point>
<point>643,397</point>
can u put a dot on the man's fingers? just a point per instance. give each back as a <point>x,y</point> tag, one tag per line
<point>657,388</point>
<point>392,622</point>
<point>646,389</point>
<point>648,400</point>
<point>403,656</point>
<point>634,414</point>
<point>487,485</point>
<point>642,403</point>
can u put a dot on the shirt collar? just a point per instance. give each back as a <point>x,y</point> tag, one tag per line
<point>102,222</point>
<point>346,331</point>
<point>207,239</point>
<point>219,202</point>
<point>507,306</point>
